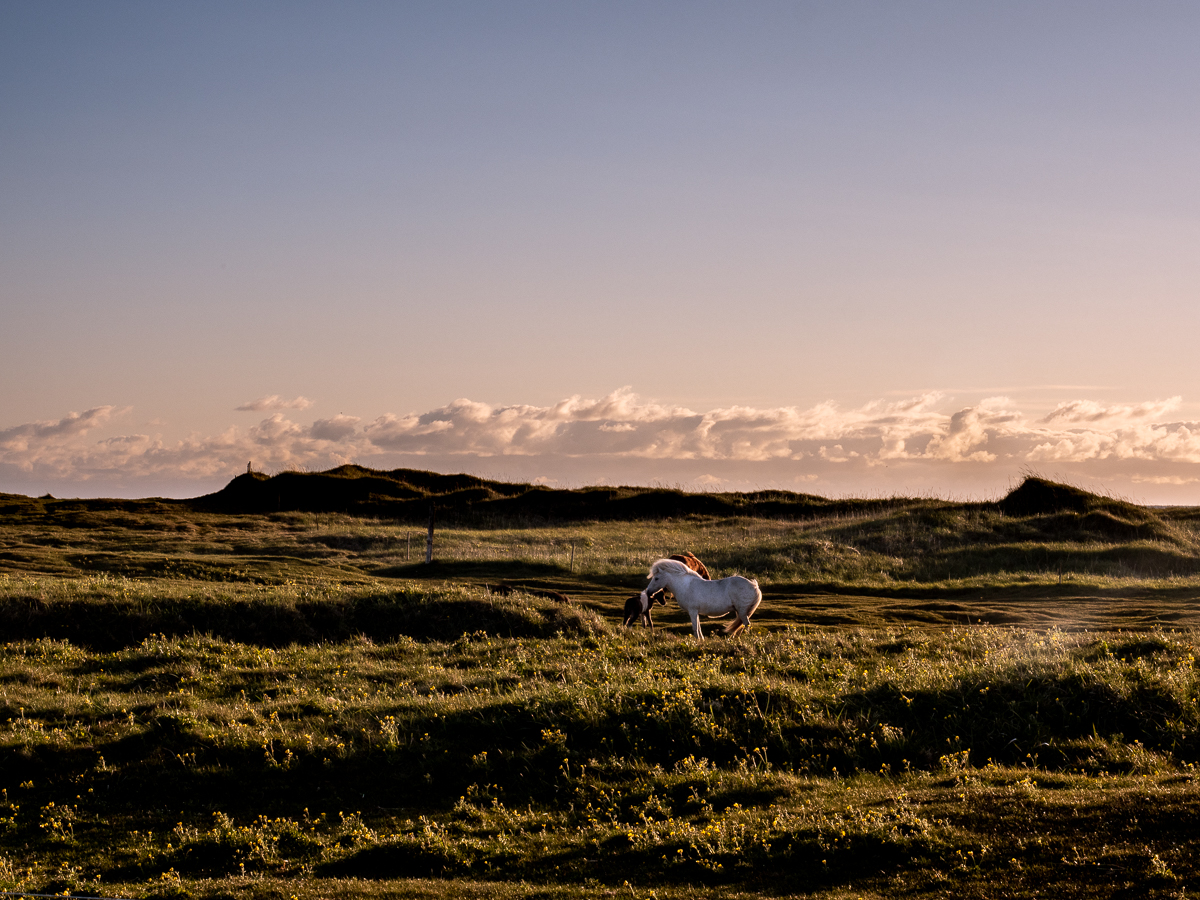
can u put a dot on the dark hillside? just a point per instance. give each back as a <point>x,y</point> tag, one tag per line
<point>1065,512</point>
<point>1055,511</point>
<point>408,494</point>
<point>1037,509</point>
<point>1036,496</point>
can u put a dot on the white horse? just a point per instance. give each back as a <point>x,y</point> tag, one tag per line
<point>698,597</point>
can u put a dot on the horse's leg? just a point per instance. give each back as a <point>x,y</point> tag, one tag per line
<point>743,616</point>
<point>695,617</point>
<point>753,607</point>
<point>633,611</point>
<point>740,620</point>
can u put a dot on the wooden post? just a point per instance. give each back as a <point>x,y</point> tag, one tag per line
<point>429,539</point>
<point>408,556</point>
<point>572,569</point>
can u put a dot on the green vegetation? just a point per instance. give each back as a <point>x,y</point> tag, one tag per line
<point>968,700</point>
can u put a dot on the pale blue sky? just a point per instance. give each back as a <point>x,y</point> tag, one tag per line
<point>384,207</point>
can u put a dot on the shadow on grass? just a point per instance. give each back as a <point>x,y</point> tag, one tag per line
<point>112,624</point>
<point>473,570</point>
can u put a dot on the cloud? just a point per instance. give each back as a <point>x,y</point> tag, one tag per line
<point>623,433</point>
<point>1088,411</point>
<point>1148,441</point>
<point>46,442</point>
<point>1163,479</point>
<point>265,404</point>
<point>275,430</point>
<point>339,428</point>
<point>20,437</point>
<point>969,429</point>
<point>622,424</point>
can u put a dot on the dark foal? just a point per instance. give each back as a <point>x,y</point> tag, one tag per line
<point>638,609</point>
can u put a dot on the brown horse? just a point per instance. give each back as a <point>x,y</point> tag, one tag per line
<point>689,559</point>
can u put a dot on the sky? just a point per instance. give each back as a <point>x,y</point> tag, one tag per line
<point>846,248</point>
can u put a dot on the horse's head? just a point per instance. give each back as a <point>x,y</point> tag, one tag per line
<point>662,572</point>
<point>658,582</point>
<point>659,597</point>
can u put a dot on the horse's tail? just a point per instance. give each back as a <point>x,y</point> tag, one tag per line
<point>742,616</point>
<point>757,600</point>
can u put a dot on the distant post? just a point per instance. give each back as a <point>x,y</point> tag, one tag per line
<point>429,538</point>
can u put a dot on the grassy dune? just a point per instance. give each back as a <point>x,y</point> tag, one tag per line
<point>936,700</point>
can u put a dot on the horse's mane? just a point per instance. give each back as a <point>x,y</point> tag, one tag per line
<point>670,566</point>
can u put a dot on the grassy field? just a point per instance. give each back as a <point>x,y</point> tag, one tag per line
<point>935,700</point>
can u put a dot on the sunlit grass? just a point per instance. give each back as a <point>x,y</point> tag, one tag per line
<point>288,705</point>
<point>863,756</point>
<point>922,546</point>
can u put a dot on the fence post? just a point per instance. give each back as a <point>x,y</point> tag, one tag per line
<point>429,539</point>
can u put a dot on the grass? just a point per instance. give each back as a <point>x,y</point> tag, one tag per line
<point>925,544</point>
<point>935,700</point>
<point>865,760</point>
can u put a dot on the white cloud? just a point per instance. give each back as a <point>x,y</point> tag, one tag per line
<point>914,435</point>
<point>1149,441</point>
<point>969,429</point>
<point>1091,412</point>
<point>264,404</point>
<point>338,428</point>
<point>50,444</point>
<point>1163,479</point>
<point>1072,448</point>
<point>275,431</point>
<point>22,437</point>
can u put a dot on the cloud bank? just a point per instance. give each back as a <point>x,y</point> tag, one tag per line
<point>274,401</point>
<point>623,437</point>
